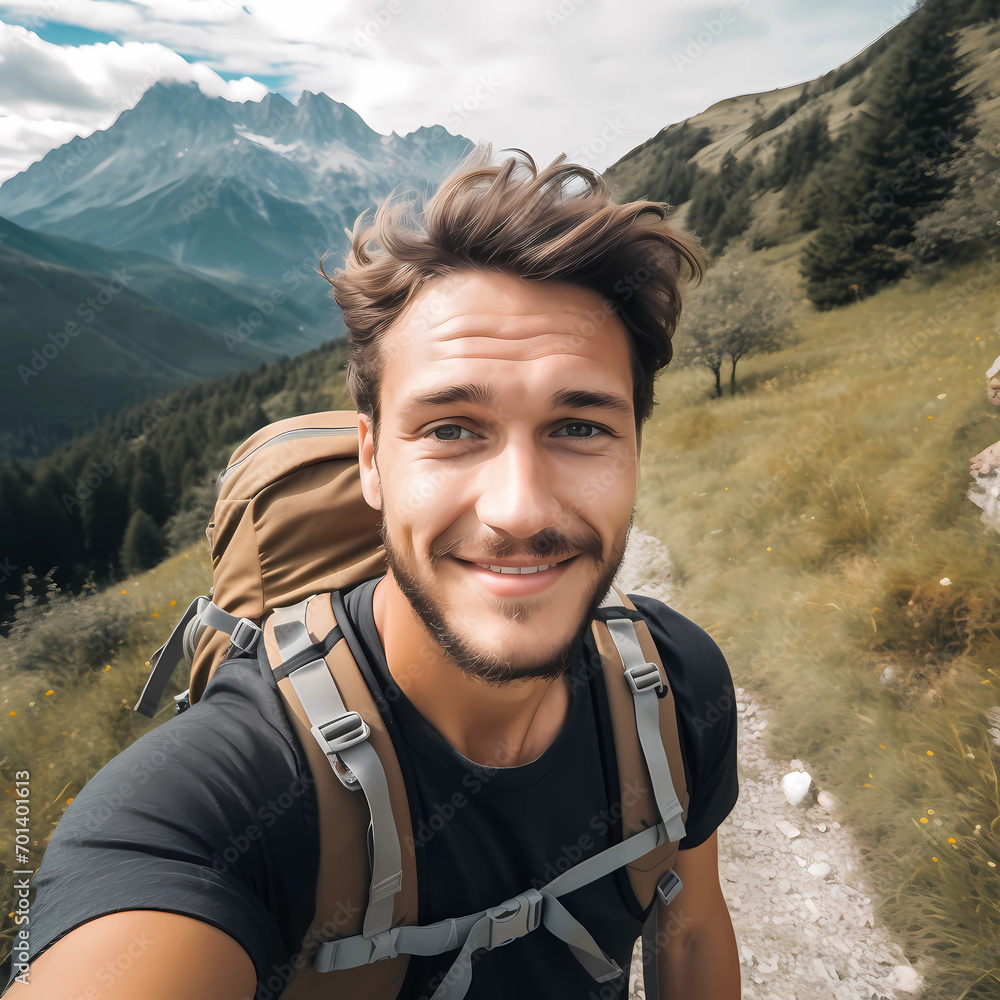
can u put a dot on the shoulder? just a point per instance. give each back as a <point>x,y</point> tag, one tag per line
<point>212,814</point>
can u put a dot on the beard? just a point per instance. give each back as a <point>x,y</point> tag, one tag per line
<point>497,667</point>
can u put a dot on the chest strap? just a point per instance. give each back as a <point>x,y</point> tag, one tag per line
<point>499,925</point>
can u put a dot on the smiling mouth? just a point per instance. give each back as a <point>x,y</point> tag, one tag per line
<point>521,570</point>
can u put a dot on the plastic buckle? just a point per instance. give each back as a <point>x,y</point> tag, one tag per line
<point>669,886</point>
<point>182,701</point>
<point>341,734</point>
<point>245,635</point>
<point>644,676</point>
<point>514,918</point>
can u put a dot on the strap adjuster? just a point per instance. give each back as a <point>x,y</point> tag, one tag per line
<point>338,735</point>
<point>245,635</point>
<point>668,886</point>
<point>514,918</point>
<point>644,676</point>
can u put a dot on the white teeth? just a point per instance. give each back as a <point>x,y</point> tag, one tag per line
<point>520,570</point>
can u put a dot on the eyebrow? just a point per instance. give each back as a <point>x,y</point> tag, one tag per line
<point>483,395</point>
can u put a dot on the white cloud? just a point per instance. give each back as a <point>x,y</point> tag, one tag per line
<point>49,93</point>
<point>557,72</point>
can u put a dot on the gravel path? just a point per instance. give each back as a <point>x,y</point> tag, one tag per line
<point>805,927</point>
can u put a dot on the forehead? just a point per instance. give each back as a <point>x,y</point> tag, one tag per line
<point>466,319</point>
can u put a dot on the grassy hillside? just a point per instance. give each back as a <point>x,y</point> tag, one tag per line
<point>751,153</point>
<point>819,528</point>
<point>812,518</point>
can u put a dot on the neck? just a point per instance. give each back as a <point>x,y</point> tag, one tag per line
<point>495,726</point>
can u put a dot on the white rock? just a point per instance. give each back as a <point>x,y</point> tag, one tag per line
<point>788,829</point>
<point>826,801</point>
<point>820,869</point>
<point>798,787</point>
<point>906,979</point>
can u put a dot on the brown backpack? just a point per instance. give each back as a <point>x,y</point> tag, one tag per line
<point>291,529</point>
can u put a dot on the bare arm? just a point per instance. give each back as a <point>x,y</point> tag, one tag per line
<point>696,945</point>
<point>141,953</point>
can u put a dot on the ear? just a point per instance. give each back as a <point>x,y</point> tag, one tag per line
<point>371,485</point>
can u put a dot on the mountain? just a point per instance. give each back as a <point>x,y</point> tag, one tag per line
<point>241,191</point>
<point>87,331</point>
<point>758,163</point>
<point>219,213</point>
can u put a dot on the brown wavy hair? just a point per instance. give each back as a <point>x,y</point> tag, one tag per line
<point>510,217</point>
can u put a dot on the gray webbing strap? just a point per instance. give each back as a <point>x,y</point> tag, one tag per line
<point>645,681</point>
<point>163,662</point>
<point>587,951</point>
<point>290,631</point>
<point>511,919</point>
<point>609,860</point>
<point>344,735</point>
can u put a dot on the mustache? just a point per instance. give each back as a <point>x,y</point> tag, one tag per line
<point>549,543</point>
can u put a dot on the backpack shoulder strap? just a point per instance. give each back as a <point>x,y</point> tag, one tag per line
<point>647,745</point>
<point>364,813</point>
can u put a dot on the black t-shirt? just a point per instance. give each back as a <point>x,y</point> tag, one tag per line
<point>213,814</point>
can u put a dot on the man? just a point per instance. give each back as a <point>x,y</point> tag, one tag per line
<point>502,360</point>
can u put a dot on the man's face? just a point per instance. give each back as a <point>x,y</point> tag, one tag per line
<point>506,441</point>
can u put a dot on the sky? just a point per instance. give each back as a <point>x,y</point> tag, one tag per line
<point>589,78</point>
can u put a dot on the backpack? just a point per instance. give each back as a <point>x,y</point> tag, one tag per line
<point>280,560</point>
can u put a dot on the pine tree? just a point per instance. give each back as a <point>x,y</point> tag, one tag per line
<point>144,545</point>
<point>148,490</point>
<point>918,119</point>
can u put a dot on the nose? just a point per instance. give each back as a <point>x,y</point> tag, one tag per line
<point>518,491</point>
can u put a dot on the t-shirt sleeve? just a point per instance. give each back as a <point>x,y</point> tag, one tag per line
<point>705,702</point>
<point>208,815</point>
